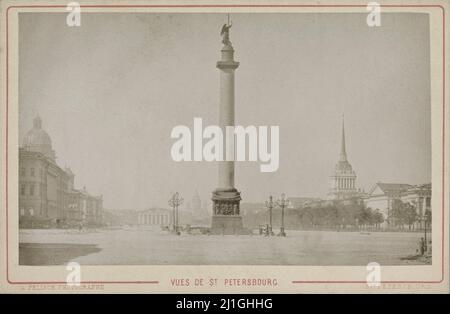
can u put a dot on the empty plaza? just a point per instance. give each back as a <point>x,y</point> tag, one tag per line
<point>151,246</point>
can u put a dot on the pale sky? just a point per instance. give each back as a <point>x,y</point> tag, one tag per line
<point>110,92</point>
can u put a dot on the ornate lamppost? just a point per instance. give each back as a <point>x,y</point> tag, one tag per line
<point>174,202</point>
<point>270,204</point>
<point>427,219</point>
<point>282,202</point>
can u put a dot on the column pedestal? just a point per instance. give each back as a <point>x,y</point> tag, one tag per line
<point>226,217</point>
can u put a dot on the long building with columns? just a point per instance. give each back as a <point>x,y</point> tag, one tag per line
<point>154,217</point>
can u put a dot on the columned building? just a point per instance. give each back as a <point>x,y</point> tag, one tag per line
<point>154,217</point>
<point>343,180</point>
<point>383,197</point>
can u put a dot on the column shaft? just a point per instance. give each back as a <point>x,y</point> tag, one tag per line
<point>226,118</point>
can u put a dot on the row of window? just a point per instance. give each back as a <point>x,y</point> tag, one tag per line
<point>29,212</point>
<point>31,171</point>
<point>32,189</point>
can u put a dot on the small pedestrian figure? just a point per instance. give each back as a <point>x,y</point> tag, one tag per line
<point>266,231</point>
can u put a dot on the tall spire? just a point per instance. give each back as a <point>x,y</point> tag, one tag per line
<point>343,156</point>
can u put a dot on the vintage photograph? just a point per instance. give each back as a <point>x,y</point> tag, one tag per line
<point>126,156</point>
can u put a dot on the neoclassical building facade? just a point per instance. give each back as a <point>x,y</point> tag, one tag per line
<point>47,197</point>
<point>154,217</point>
<point>382,197</point>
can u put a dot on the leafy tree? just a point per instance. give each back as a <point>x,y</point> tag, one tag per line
<point>403,213</point>
<point>410,214</point>
<point>378,218</point>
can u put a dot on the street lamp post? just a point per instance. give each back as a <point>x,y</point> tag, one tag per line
<point>282,203</point>
<point>270,205</point>
<point>174,202</point>
<point>427,219</point>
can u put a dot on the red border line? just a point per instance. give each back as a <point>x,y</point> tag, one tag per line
<point>232,6</point>
<point>228,6</point>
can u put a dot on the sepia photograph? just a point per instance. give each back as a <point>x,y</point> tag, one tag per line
<point>198,137</point>
<point>98,104</point>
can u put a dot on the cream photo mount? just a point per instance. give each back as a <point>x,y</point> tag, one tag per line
<point>157,278</point>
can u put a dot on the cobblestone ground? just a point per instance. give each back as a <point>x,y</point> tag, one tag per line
<point>145,246</point>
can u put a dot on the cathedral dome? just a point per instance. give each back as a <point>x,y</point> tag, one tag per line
<point>38,140</point>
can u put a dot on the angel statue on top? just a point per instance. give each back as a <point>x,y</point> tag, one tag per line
<point>225,33</point>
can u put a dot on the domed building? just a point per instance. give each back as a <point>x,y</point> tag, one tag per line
<point>47,197</point>
<point>38,140</point>
<point>343,180</point>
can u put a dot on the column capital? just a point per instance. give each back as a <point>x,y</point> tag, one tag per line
<point>223,65</point>
<point>227,60</point>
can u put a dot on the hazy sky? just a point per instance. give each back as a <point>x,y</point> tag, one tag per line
<point>110,92</point>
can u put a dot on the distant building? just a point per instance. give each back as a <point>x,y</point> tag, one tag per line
<point>343,180</point>
<point>136,217</point>
<point>154,217</point>
<point>383,195</point>
<point>84,207</point>
<point>419,196</point>
<point>47,197</point>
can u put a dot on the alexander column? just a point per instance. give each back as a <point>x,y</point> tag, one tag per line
<point>226,217</point>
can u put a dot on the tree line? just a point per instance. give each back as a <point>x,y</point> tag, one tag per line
<point>352,215</point>
<point>337,215</point>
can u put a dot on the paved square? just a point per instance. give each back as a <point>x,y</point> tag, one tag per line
<point>144,246</point>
